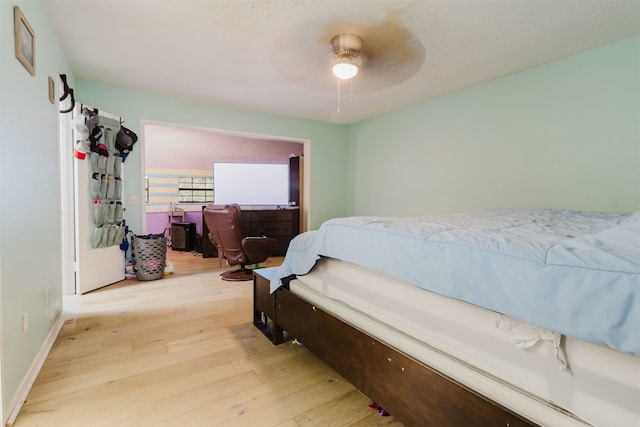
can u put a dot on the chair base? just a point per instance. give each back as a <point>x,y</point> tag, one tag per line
<point>239,275</point>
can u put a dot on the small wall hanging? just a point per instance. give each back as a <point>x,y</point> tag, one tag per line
<point>25,41</point>
<point>52,90</point>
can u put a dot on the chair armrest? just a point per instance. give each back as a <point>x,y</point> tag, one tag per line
<point>258,249</point>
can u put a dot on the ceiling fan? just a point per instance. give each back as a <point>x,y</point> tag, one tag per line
<point>377,55</point>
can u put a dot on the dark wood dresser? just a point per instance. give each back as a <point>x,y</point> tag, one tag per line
<point>281,224</point>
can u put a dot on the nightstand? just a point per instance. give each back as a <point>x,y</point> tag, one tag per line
<point>264,305</point>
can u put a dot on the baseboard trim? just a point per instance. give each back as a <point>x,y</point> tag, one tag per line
<point>32,374</point>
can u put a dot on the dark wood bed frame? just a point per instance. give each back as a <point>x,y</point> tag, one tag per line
<point>413,393</point>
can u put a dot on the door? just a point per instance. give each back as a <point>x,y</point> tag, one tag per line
<point>97,267</point>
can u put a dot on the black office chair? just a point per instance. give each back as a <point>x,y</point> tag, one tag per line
<point>225,232</point>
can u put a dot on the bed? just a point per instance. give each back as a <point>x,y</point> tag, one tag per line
<point>503,316</point>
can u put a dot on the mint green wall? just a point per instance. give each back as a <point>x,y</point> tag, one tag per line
<point>30,221</point>
<point>565,134</point>
<point>561,135</point>
<point>328,141</point>
<point>30,217</point>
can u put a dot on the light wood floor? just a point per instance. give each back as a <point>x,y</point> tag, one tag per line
<point>182,351</point>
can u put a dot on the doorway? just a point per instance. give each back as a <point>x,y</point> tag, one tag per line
<point>172,152</point>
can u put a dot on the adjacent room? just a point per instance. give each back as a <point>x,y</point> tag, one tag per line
<point>175,154</point>
<point>453,237</point>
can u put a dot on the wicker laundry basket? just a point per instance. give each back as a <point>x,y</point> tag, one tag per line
<point>150,252</point>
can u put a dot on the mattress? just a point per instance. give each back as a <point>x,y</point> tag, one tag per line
<point>576,273</point>
<point>600,386</point>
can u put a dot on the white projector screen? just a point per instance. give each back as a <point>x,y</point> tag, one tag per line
<point>250,184</point>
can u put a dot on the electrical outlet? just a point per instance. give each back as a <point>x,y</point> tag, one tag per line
<point>25,323</point>
<point>134,199</point>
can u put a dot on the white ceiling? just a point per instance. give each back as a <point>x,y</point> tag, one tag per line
<point>274,56</point>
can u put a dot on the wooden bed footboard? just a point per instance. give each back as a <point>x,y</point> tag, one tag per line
<point>410,391</point>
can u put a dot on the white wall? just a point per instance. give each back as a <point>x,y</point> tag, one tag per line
<point>561,135</point>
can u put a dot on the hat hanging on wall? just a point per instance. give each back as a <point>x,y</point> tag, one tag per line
<point>125,140</point>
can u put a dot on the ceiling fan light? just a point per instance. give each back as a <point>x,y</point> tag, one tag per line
<point>345,68</point>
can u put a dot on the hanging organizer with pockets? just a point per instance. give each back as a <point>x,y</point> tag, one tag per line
<point>105,186</point>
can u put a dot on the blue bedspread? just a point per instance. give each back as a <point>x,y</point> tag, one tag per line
<point>577,273</point>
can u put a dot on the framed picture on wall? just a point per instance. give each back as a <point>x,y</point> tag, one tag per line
<point>25,41</point>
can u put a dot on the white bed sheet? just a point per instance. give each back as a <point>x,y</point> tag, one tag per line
<point>601,387</point>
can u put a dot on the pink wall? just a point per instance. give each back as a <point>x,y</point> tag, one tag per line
<point>175,147</point>
<point>179,147</point>
<point>158,221</point>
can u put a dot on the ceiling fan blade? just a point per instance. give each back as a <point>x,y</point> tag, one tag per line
<point>391,54</point>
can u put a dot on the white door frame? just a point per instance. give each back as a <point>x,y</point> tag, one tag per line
<point>67,205</point>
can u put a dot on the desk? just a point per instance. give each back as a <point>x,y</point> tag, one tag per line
<point>281,224</point>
